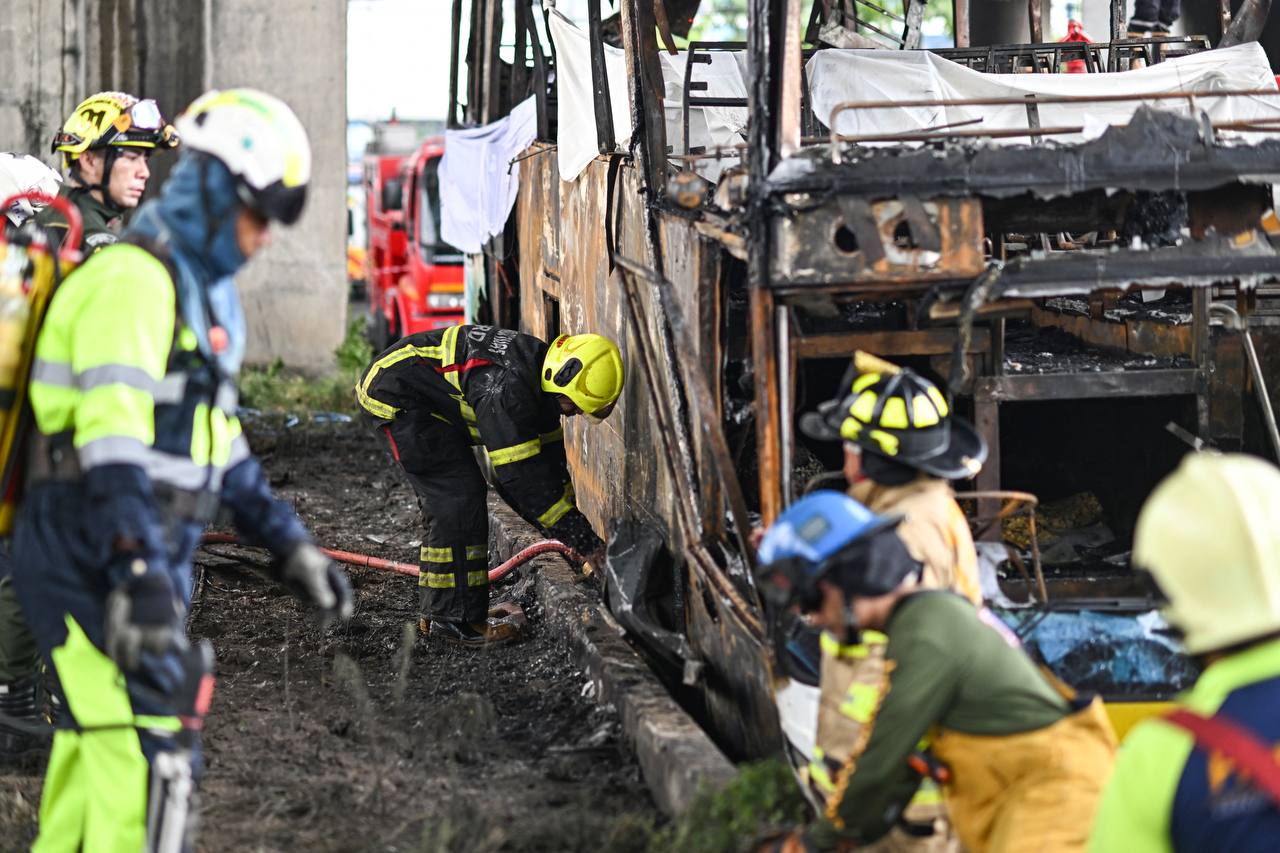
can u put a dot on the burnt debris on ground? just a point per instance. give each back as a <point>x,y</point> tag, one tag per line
<point>369,737</point>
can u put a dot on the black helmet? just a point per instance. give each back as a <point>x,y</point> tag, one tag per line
<point>902,417</point>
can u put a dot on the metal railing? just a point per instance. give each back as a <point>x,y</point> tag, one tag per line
<point>1031,103</point>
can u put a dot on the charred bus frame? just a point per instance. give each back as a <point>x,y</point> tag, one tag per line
<point>810,217</point>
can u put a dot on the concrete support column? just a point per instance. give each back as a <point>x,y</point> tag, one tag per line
<point>55,52</point>
<point>295,294</point>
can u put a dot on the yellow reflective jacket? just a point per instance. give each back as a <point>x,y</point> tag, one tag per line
<point>118,374</point>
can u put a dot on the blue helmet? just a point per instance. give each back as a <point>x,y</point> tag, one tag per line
<point>817,526</point>
<point>824,531</point>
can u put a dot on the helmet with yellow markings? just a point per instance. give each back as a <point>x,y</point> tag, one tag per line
<point>587,369</point>
<point>260,141</point>
<point>900,415</point>
<point>113,119</point>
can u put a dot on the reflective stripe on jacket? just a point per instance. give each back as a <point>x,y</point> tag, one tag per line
<point>1167,795</point>
<point>486,381</point>
<point>116,369</point>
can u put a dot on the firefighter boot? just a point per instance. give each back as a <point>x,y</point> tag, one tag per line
<point>18,704</point>
<point>491,632</point>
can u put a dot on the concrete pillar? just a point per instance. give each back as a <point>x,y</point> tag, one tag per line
<point>55,52</point>
<point>40,52</point>
<point>295,293</point>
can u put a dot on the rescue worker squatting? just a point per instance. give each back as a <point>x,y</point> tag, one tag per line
<point>134,397</point>
<point>901,446</point>
<point>1024,764</point>
<point>435,395</point>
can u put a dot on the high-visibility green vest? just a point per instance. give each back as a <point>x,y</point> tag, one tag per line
<point>118,370</point>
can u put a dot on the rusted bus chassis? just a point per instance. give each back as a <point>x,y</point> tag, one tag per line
<point>712,300</point>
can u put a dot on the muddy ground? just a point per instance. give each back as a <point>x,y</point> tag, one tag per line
<point>368,737</point>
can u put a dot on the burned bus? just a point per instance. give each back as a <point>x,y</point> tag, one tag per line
<point>1086,261</point>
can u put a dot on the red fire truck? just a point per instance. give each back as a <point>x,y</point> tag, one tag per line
<point>415,279</point>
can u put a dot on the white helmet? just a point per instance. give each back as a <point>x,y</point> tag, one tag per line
<point>260,141</point>
<point>1210,535</point>
<point>20,173</point>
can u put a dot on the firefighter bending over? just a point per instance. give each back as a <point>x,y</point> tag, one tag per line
<point>134,395</point>
<point>1020,765</point>
<point>105,146</point>
<point>436,395</point>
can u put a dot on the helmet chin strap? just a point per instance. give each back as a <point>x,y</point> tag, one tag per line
<point>103,185</point>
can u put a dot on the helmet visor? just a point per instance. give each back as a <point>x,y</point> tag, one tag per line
<point>145,115</point>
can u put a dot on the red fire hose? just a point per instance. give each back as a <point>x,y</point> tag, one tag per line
<point>353,559</point>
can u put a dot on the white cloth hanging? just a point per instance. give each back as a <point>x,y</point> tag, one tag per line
<point>479,181</point>
<point>576,141</point>
<point>708,126</point>
<point>836,76</point>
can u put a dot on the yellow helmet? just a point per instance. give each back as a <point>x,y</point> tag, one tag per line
<point>1210,535</point>
<point>113,119</point>
<point>587,369</point>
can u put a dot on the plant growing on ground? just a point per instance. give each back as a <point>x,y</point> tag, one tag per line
<point>275,388</point>
<point>762,797</point>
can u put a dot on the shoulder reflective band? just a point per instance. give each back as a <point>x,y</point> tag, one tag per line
<point>377,407</point>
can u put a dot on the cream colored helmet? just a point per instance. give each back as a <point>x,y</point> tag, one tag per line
<point>260,141</point>
<point>1210,534</point>
<point>21,173</point>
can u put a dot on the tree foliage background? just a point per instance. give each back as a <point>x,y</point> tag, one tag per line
<point>726,20</point>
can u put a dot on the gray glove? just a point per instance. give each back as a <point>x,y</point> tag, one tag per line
<point>143,615</point>
<point>318,581</point>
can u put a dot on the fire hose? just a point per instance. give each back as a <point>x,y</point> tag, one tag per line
<point>351,558</point>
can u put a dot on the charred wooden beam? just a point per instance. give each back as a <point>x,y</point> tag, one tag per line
<point>648,111</point>
<point>1165,382</point>
<point>520,60</point>
<point>492,105</point>
<point>455,47</point>
<point>774,55</point>
<point>1033,18</point>
<point>475,63</point>
<point>1119,29</point>
<point>605,138</point>
<point>960,22</point>
<point>541,84</point>
<point>888,343</point>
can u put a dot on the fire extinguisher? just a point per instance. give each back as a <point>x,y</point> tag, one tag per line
<point>1075,32</point>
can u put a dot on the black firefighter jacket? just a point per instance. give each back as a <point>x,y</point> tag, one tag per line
<point>485,382</point>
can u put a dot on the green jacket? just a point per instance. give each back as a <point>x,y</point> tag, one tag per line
<point>102,223</point>
<point>949,667</point>
<point>1137,805</point>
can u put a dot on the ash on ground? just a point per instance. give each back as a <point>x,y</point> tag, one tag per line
<point>369,737</point>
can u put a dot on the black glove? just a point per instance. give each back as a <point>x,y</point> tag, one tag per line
<point>318,581</point>
<point>143,615</point>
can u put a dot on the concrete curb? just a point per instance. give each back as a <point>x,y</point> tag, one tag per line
<point>676,756</point>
